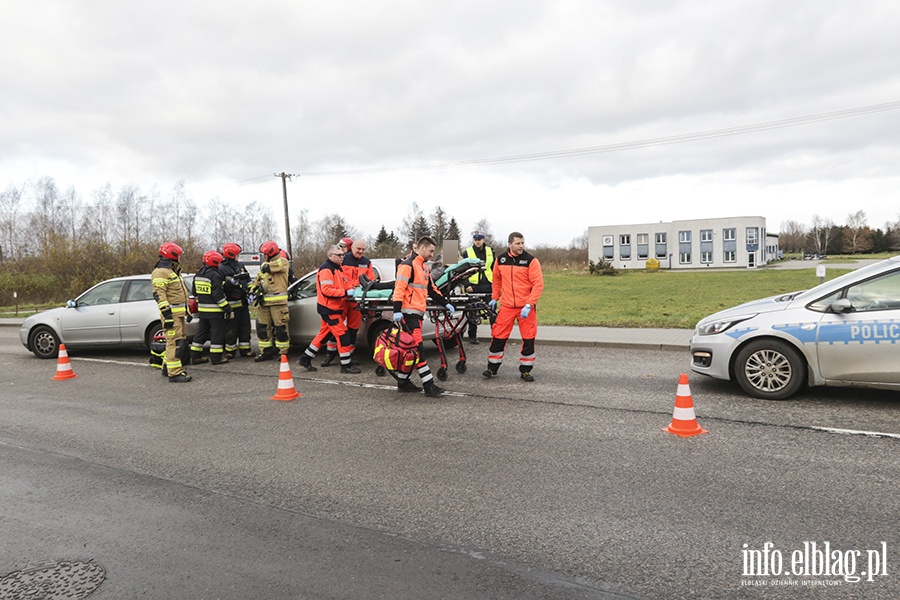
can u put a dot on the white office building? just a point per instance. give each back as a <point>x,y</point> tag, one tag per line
<point>695,244</point>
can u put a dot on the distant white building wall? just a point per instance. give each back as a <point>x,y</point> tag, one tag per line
<point>730,242</point>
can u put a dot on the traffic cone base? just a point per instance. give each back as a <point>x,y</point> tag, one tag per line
<point>63,366</point>
<point>684,421</point>
<point>286,390</point>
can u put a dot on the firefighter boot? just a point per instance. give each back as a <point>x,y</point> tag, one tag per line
<point>266,354</point>
<point>432,390</point>
<point>180,378</point>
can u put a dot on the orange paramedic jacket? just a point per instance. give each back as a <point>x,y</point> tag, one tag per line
<point>414,285</point>
<point>518,280</point>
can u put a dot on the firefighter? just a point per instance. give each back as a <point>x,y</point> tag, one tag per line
<point>271,287</point>
<point>237,280</point>
<point>171,297</point>
<point>214,311</point>
<point>480,282</point>
<point>332,288</point>
<point>517,286</point>
<point>411,291</point>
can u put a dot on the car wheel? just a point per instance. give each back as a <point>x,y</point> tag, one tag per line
<point>44,342</point>
<point>153,330</point>
<point>770,369</point>
<point>376,329</point>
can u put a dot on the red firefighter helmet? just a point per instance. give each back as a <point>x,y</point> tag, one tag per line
<point>170,250</point>
<point>212,259</point>
<point>270,249</point>
<point>231,250</point>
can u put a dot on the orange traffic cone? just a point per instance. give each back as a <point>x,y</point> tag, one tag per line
<point>63,366</point>
<point>684,422</point>
<point>286,389</point>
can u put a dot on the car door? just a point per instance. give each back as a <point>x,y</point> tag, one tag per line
<point>95,317</point>
<point>304,321</point>
<point>863,345</point>
<point>138,310</point>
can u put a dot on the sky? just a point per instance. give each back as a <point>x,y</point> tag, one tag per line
<point>374,106</point>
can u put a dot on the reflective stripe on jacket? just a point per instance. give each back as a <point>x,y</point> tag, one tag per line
<point>414,285</point>
<point>169,289</point>
<point>209,291</point>
<point>331,288</point>
<point>274,284</point>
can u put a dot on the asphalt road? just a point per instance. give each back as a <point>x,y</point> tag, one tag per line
<point>564,488</point>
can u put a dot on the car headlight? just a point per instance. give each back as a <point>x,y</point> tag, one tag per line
<point>714,327</point>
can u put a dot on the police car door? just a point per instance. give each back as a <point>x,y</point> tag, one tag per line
<point>864,343</point>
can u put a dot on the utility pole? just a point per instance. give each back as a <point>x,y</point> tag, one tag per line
<point>287,220</point>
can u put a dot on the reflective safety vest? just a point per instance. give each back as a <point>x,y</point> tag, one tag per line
<point>488,272</point>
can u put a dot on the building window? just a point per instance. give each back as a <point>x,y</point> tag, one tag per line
<point>684,236</point>
<point>608,252</point>
<point>729,234</point>
<point>643,238</point>
<point>684,258</point>
<point>706,235</point>
<point>730,256</point>
<point>660,238</point>
<point>706,257</point>
<point>643,253</point>
<point>624,239</point>
<point>752,236</point>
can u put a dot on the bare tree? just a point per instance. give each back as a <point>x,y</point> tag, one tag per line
<point>792,237</point>
<point>820,234</point>
<point>484,227</point>
<point>857,235</point>
<point>10,203</point>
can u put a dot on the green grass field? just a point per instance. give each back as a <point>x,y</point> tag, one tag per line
<point>660,299</point>
<point>641,299</point>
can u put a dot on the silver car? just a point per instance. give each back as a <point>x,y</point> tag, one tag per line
<point>304,322</point>
<point>845,332</point>
<point>116,312</point>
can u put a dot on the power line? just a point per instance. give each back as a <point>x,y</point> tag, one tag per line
<point>661,141</point>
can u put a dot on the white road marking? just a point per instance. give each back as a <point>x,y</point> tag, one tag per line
<point>857,432</point>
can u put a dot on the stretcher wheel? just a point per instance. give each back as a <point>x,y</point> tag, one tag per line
<point>380,371</point>
<point>442,374</point>
<point>461,366</point>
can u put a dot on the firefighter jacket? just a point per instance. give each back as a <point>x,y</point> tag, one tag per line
<point>331,288</point>
<point>169,289</point>
<point>487,255</point>
<point>414,285</point>
<point>354,267</point>
<point>236,281</point>
<point>274,284</point>
<point>210,292</point>
<point>518,280</point>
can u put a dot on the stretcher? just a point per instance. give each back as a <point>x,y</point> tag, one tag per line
<point>374,299</point>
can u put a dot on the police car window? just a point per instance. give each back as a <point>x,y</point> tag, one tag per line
<point>105,293</point>
<point>879,293</point>
<point>823,304</point>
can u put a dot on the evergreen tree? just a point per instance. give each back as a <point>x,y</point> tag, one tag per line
<point>453,232</point>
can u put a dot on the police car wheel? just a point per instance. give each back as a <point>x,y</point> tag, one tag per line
<point>770,369</point>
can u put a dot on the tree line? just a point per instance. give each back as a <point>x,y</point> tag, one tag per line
<point>823,236</point>
<point>55,244</point>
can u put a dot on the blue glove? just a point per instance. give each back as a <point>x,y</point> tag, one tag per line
<point>398,317</point>
<point>352,292</point>
<point>526,310</point>
<point>493,304</point>
<point>450,309</point>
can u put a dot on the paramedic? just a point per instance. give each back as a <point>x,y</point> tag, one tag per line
<point>332,289</point>
<point>411,291</point>
<point>517,286</point>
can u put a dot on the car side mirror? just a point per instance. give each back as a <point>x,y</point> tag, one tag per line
<point>70,304</point>
<point>842,305</point>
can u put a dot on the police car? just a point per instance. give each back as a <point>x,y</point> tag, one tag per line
<point>845,332</point>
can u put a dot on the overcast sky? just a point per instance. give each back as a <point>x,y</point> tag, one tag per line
<point>225,94</point>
